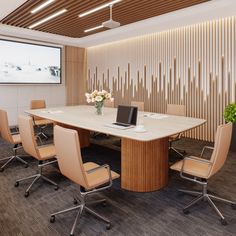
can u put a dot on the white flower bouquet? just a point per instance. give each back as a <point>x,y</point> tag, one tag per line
<point>98,97</point>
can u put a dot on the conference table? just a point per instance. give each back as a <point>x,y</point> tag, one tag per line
<point>144,155</point>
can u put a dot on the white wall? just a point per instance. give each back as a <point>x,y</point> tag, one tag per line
<point>16,98</point>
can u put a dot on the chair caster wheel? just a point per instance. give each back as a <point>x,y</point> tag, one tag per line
<point>26,165</point>
<point>104,204</point>
<point>1,169</point>
<point>56,188</point>
<point>71,234</point>
<point>26,194</point>
<point>233,206</point>
<point>75,202</point>
<point>223,222</point>
<point>16,184</point>
<point>108,226</point>
<point>185,211</point>
<point>52,219</point>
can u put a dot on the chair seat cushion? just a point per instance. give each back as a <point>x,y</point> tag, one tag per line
<point>98,177</point>
<point>43,122</point>
<point>47,152</point>
<point>193,167</point>
<point>16,138</point>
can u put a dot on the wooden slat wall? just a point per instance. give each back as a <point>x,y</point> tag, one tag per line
<point>193,65</point>
<point>75,64</point>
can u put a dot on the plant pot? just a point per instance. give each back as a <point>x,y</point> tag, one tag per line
<point>233,139</point>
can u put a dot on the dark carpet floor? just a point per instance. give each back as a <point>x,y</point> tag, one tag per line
<point>155,213</point>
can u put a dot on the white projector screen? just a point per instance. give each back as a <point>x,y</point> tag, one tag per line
<point>26,63</point>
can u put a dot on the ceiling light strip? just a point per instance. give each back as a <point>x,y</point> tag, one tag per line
<point>94,28</point>
<point>99,8</point>
<point>41,6</point>
<point>47,18</point>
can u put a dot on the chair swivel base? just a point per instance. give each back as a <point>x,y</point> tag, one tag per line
<point>81,207</point>
<point>35,178</point>
<point>42,134</point>
<point>10,159</point>
<point>204,195</point>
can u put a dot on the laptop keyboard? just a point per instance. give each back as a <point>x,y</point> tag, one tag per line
<point>118,126</point>
<point>124,125</point>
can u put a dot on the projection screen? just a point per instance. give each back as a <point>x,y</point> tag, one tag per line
<point>27,63</point>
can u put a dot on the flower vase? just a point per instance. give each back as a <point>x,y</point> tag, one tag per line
<point>99,106</point>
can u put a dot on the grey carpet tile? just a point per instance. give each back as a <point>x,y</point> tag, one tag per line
<point>154,213</point>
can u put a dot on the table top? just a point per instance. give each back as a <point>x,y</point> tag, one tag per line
<point>156,125</point>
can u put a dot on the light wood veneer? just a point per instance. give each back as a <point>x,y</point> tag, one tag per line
<point>144,164</point>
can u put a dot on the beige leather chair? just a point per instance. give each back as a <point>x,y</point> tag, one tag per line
<point>89,175</point>
<point>39,122</point>
<point>12,138</point>
<point>109,104</point>
<point>176,110</point>
<point>41,153</point>
<point>139,105</point>
<point>202,169</point>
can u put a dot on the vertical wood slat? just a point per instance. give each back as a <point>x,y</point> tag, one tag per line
<point>75,74</point>
<point>193,65</point>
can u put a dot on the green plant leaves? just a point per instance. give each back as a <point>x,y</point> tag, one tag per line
<point>230,113</point>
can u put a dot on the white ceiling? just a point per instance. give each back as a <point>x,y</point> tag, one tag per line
<point>214,9</point>
<point>8,6</point>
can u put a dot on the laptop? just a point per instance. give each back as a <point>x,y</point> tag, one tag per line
<point>126,117</point>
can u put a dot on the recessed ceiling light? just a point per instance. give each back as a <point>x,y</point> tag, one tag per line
<point>99,8</point>
<point>47,18</point>
<point>94,28</point>
<point>41,6</point>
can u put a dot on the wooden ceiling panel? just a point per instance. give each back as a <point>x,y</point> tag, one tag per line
<point>69,24</point>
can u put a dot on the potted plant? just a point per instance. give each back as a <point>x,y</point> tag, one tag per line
<point>230,116</point>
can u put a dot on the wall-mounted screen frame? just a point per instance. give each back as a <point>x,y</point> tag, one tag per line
<point>24,62</point>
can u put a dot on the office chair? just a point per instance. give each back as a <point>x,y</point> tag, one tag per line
<point>108,103</point>
<point>41,153</point>
<point>139,105</point>
<point>12,138</point>
<point>176,110</point>
<point>92,177</point>
<point>39,122</point>
<point>201,170</point>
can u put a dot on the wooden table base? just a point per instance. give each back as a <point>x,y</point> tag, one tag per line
<point>84,134</point>
<point>144,165</point>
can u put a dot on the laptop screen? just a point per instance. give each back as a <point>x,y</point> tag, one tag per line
<point>127,115</point>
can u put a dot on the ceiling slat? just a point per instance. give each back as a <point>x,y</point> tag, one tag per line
<point>69,24</point>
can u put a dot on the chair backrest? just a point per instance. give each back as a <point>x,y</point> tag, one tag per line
<point>139,105</point>
<point>175,109</point>
<point>221,147</point>
<point>69,156</point>
<point>109,104</point>
<point>27,136</point>
<point>37,104</point>
<point>4,127</point>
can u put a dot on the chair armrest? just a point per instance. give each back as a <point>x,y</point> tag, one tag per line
<point>44,145</point>
<point>48,163</point>
<point>197,159</point>
<point>14,133</point>
<point>204,148</point>
<point>107,167</point>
